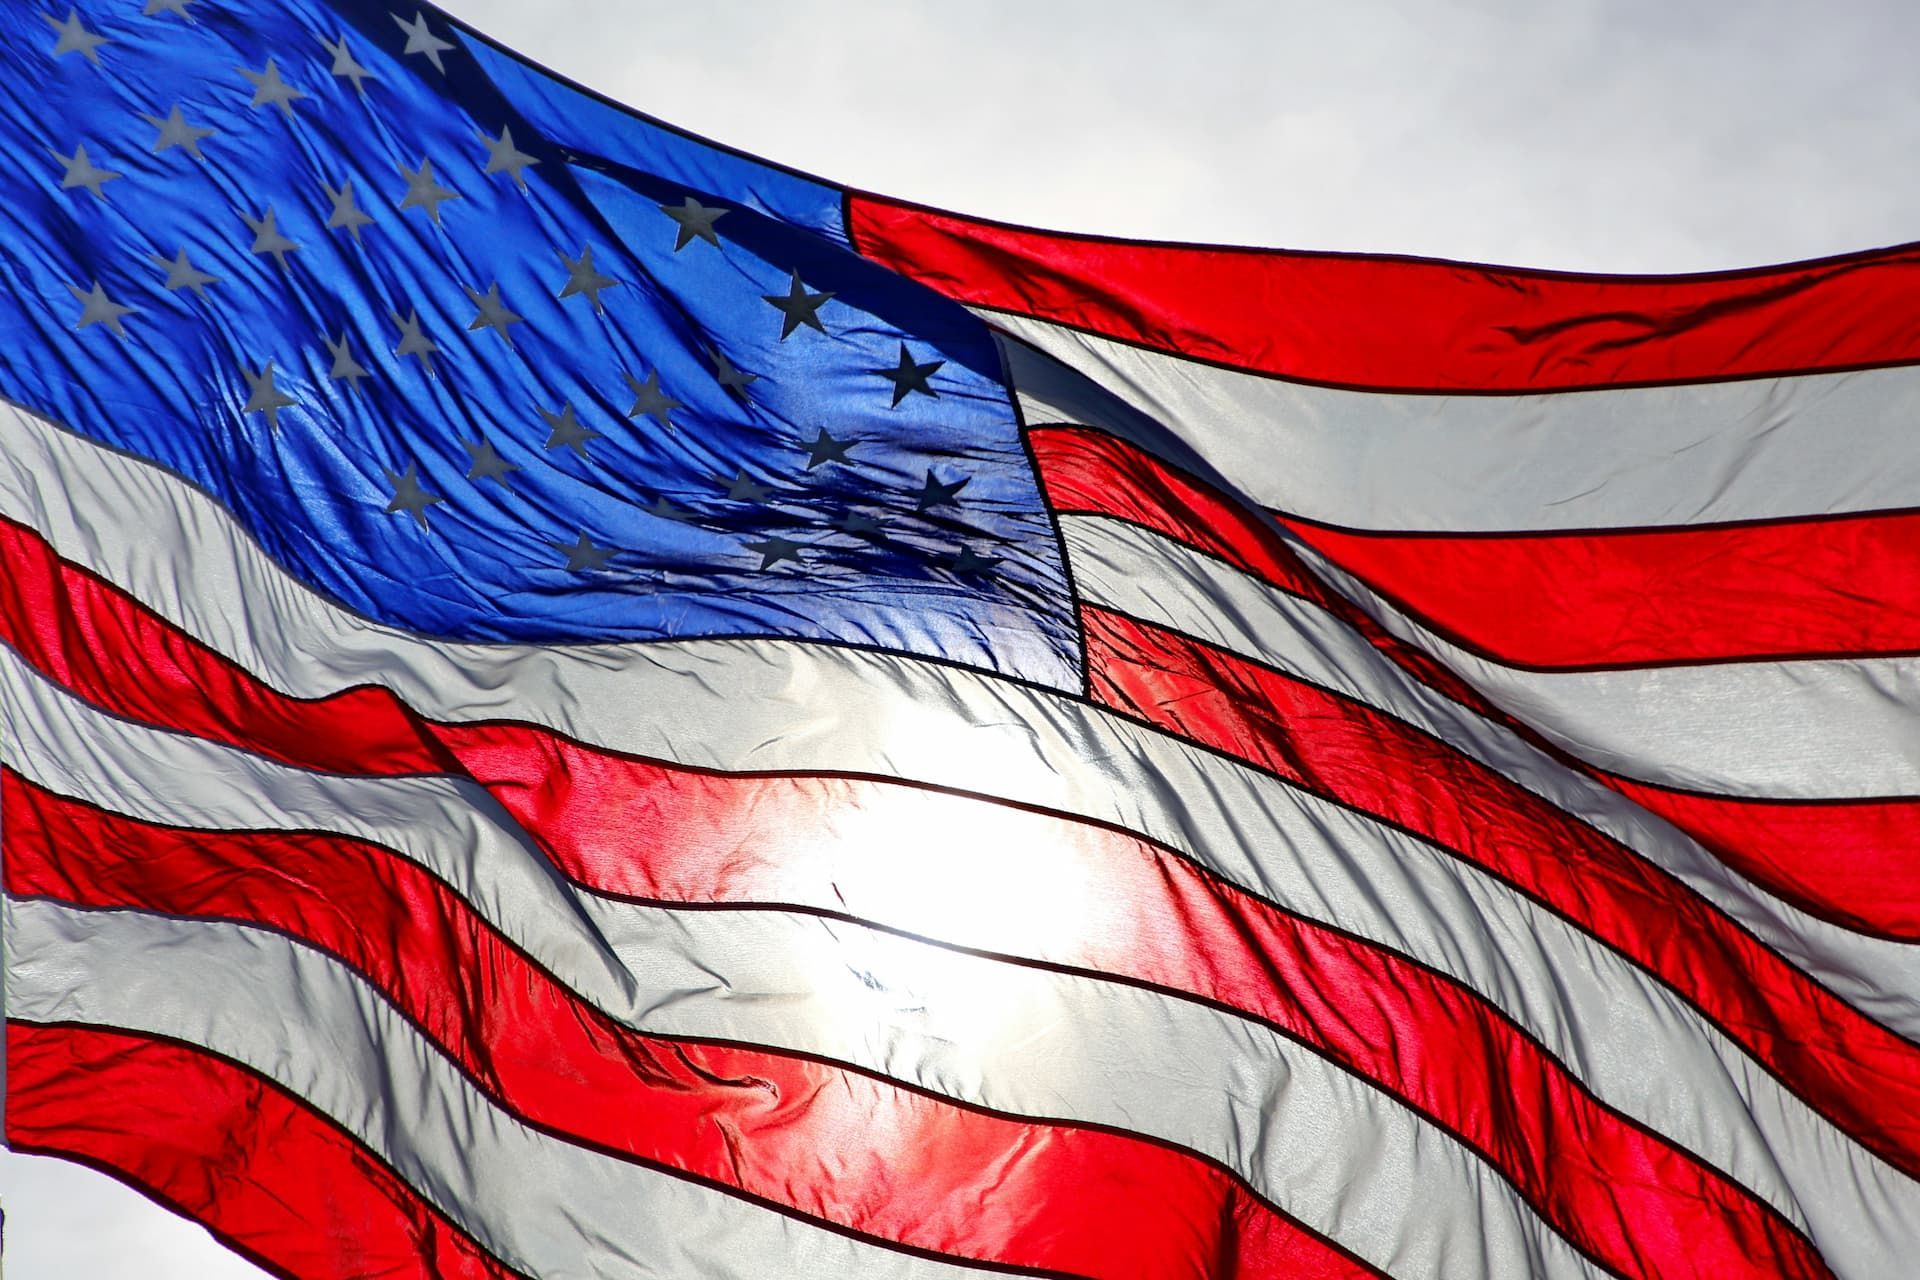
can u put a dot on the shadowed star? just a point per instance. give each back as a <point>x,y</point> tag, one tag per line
<point>568,431</point>
<point>798,307</point>
<point>649,401</point>
<point>696,222</point>
<point>422,41</point>
<point>936,494</point>
<point>487,463</point>
<point>583,556</point>
<point>493,312</point>
<point>909,376</point>
<point>773,549</point>
<point>409,497</point>
<point>582,278</point>
<point>825,448</point>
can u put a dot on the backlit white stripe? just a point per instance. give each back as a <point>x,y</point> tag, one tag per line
<point>1605,459</point>
<point>736,705</point>
<point>1325,1146</point>
<point>1808,729</point>
<point>1631,1040</point>
<point>299,1018</point>
<point>1158,580</point>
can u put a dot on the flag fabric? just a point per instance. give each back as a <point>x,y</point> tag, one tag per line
<point>577,703</point>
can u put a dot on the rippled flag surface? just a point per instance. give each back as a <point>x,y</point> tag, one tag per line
<point>579,703</point>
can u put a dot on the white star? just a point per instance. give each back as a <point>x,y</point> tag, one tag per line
<point>269,90</point>
<point>82,172</point>
<point>504,157</point>
<point>345,212</point>
<point>423,192</point>
<point>267,237</point>
<point>157,7</point>
<point>413,341</point>
<point>347,67</point>
<point>264,397</point>
<point>423,41</point>
<point>182,274</point>
<point>176,132</point>
<point>75,38</point>
<point>99,309</point>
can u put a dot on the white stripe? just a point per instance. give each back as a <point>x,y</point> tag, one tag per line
<point>740,706</point>
<point>1809,729</point>
<point>1160,581</point>
<point>303,1020</point>
<point>1632,1041</point>
<point>1607,459</point>
<point>1325,1146</point>
<point>809,709</point>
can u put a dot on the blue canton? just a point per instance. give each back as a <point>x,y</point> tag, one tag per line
<point>477,354</point>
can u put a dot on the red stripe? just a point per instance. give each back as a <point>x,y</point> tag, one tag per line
<point>556,787</point>
<point>1386,323</point>
<point>831,1143</point>
<point>215,1143</point>
<point>1089,472</point>
<point>1848,586</point>
<point>1850,863</point>
<point>1860,1075</point>
<point>1618,1192</point>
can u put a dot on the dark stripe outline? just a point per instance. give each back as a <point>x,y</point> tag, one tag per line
<point>1458,855</point>
<point>1071,971</point>
<point>247,537</point>
<point>986,311</point>
<point>377,991</point>
<point>834,1064</point>
<point>1085,689</point>
<point>1760,944</point>
<point>1557,754</point>
<point>153,1195</point>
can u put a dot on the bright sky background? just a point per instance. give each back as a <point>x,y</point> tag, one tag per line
<point>1612,135</point>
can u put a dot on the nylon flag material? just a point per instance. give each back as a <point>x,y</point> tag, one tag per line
<point>580,704</point>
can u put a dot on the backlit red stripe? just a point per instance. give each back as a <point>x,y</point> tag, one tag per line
<point>1859,1074</point>
<point>1850,862</point>
<point>1387,323</point>
<point>1841,587</point>
<point>888,1162</point>
<point>556,788</point>
<point>211,1140</point>
<point>1855,862</point>
<point>1089,472</point>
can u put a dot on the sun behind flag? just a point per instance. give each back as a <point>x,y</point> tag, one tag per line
<point>578,703</point>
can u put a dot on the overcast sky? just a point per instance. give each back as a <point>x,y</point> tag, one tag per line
<point>1614,135</point>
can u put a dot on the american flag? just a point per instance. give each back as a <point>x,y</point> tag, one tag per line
<point>575,703</point>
